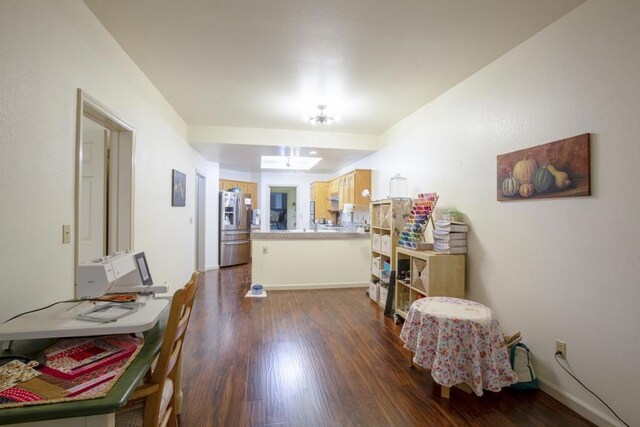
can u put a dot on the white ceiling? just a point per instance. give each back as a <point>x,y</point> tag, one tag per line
<point>266,64</point>
<point>246,158</point>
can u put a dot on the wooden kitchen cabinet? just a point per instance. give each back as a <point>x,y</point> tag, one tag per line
<point>248,188</point>
<point>225,185</point>
<point>361,182</point>
<point>252,189</point>
<point>342,192</point>
<point>320,195</point>
<point>349,188</point>
<point>334,186</point>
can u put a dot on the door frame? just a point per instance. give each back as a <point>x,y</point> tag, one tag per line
<point>268,202</point>
<point>200,228</point>
<point>124,133</point>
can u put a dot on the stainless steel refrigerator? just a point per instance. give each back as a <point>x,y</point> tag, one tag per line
<point>235,233</point>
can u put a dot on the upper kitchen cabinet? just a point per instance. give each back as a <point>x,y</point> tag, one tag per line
<point>249,189</point>
<point>252,189</point>
<point>226,184</point>
<point>350,187</point>
<point>334,186</point>
<point>320,197</point>
<point>242,186</point>
<point>341,192</point>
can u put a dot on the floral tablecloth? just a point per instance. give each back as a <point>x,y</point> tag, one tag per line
<point>460,341</point>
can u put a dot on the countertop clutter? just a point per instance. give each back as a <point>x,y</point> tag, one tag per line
<point>320,234</point>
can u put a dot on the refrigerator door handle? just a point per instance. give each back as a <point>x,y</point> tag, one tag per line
<point>239,242</point>
<point>236,232</point>
<point>239,212</point>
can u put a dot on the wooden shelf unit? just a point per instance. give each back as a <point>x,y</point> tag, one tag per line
<point>387,220</point>
<point>430,274</point>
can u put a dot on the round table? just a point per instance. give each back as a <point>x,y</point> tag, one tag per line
<point>460,341</point>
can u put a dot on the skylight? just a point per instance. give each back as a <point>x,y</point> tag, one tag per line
<point>289,162</point>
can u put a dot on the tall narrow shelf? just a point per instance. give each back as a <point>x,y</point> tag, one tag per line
<point>427,274</point>
<point>387,220</point>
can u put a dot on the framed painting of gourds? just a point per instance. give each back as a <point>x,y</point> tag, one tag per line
<point>557,169</point>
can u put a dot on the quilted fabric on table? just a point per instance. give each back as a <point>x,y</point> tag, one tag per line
<point>75,369</point>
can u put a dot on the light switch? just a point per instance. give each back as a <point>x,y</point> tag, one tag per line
<point>66,233</point>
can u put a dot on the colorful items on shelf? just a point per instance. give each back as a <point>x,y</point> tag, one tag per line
<point>412,236</point>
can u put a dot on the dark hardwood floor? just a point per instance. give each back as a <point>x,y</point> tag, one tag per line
<point>323,358</point>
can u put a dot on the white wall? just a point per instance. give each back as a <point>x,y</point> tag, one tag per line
<point>236,175</point>
<point>281,137</point>
<point>556,268</point>
<point>303,264</point>
<point>49,49</point>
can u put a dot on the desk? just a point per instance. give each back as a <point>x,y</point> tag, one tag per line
<point>94,412</point>
<point>35,330</point>
<point>60,321</point>
<point>460,341</point>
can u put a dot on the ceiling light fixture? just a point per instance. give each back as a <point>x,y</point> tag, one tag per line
<point>313,152</point>
<point>288,162</point>
<point>321,118</point>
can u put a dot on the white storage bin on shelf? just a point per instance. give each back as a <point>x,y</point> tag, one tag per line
<point>385,244</point>
<point>375,216</point>
<point>376,242</point>
<point>385,216</point>
<point>374,291</point>
<point>383,296</point>
<point>376,265</point>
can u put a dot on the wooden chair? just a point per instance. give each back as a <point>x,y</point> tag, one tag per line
<point>153,403</point>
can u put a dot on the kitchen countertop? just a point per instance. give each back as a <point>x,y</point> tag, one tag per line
<point>307,235</point>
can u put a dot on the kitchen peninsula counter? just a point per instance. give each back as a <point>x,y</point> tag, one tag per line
<point>308,259</point>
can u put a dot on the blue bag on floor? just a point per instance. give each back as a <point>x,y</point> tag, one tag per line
<point>521,363</point>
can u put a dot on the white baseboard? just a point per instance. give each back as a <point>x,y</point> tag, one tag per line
<point>303,286</point>
<point>211,267</point>
<point>589,412</point>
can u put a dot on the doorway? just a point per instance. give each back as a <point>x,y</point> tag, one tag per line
<point>93,221</point>
<point>282,203</point>
<point>104,181</point>
<point>200,220</point>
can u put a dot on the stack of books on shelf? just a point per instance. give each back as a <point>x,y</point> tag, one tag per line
<point>450,237</point>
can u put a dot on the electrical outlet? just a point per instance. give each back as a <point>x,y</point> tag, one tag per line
<point>561,347</point>
<point>265,249</point>
<point>66,233</point>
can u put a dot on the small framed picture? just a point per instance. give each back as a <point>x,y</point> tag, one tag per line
<point>178,189</point>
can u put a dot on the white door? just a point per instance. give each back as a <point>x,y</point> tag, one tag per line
<point>92,219</point>
<point>200,217</point>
